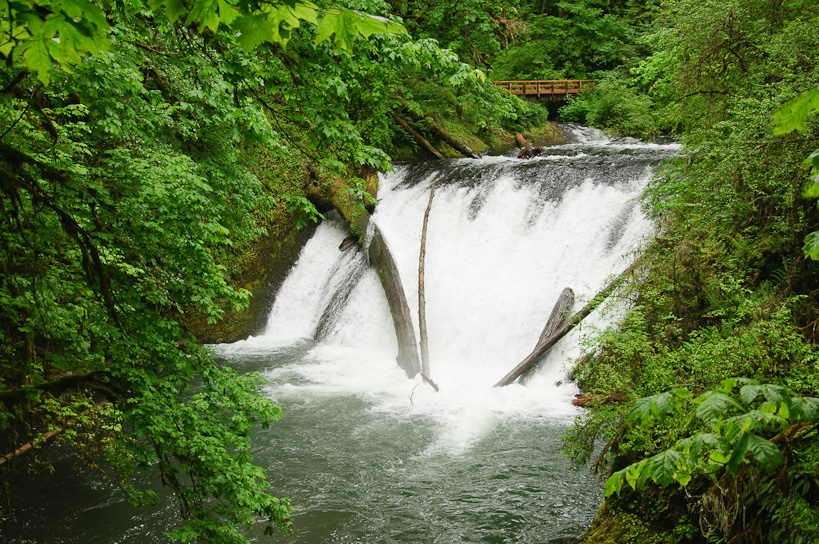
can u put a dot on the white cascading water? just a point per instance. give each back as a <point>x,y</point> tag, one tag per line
<point>503,241</point>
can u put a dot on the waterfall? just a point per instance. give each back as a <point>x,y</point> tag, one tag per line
<point>505,238</point>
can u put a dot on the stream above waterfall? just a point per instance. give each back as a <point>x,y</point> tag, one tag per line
<point>369,456</point>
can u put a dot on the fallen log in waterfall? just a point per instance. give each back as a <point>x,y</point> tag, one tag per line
<point>542,348</point>
<point>558,318</point>
<point>526,149</point>
<point>381,258</point>
<point>331,193</point>
<point>422,312</point>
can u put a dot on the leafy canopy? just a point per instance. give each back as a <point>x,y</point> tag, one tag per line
<point>130,186</point>
<point>39,34</point>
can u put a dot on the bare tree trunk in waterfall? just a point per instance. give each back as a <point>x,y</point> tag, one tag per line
<point>541,349</point>
<point>384,264</point>
<point>416,136</point>
<point>422,312</point>
<point>558,318</point>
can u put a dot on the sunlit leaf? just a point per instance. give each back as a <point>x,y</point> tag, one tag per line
<point>792,115</point>
<point>253,30</point>
<point>811,247</point>
<point>614,484</point>
<point>37,59</point>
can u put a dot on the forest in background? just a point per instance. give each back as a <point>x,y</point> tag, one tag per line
<point>146,146</point>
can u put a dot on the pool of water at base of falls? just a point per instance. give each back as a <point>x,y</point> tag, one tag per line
<point>368,455</point>
<point>361,465</point>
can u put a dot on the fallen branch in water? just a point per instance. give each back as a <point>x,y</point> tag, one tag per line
<point>43,438</point>
<point>541,349</point>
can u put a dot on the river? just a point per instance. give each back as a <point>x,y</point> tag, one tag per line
<point>370,456</point>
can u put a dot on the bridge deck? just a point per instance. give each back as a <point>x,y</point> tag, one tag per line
<point>551,89</point>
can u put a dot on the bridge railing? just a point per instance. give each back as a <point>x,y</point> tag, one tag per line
<point>547,86</point>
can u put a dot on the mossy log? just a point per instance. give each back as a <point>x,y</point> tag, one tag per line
<point>449,138</point>
<point>332,193</point>
<point>423,142</point>
<point>384,264</point>
<point>558,317</point>
<point>441,132</point>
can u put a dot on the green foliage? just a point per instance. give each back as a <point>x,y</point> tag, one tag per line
<point>570,40</point>
<point>41,34</point>
<point>792,116</point>
<point>736,425</point>
<point>133,177</point>
<point>728,291</point>
<point>304,209</point>
<point>615,107</point>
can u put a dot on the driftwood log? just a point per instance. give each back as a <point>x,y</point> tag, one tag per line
<point>347,243</point>
<point>422,312</point>
<point>423,142</point>
<point>526,149</point>
<point>558,317</point>
<point>541,349</point>
<point>582,399</point>
<point>387,270</point>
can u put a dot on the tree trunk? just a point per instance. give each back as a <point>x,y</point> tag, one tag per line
<point>558,317</point>
<point>526,149</point>
<point>416,136</point>
<point>422,313</point>
<point>442,133</point>
<point>449,138</point>
<point>541,349</point>
<point>382,259</point>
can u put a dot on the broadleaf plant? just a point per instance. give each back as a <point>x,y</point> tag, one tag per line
<point>793,116</point>
<point>738,416</point>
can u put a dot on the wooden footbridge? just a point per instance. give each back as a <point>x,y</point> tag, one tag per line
<point>551,89</point>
